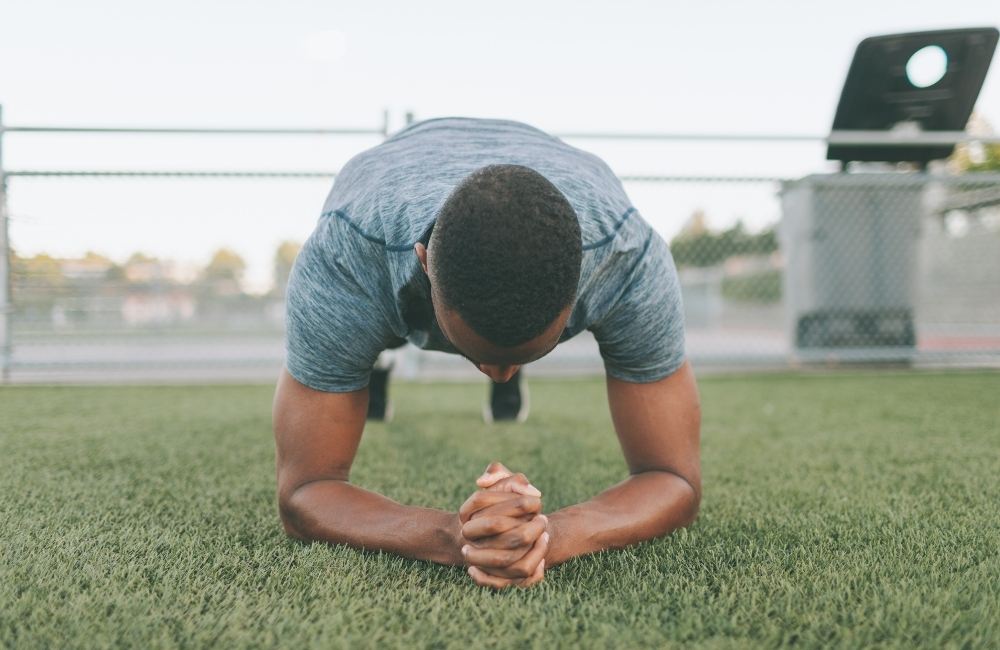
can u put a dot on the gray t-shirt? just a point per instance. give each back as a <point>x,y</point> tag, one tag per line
<point>357,287</point>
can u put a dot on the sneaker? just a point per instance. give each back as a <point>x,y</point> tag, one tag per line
<point>508,402</point>
<point>379,406</point>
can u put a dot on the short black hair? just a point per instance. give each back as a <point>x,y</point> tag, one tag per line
<point>507,250</point>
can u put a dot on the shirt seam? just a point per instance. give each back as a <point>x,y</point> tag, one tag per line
<point>396,248</point>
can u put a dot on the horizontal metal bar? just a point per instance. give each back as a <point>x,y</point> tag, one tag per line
<point>195,130</point>
<point>846,138</point>
<point>750,137</point>
<point>905,138</point>
<point>169,174</point>
<point>652,178</point>
<point>972,181</point>
<point>840,138</point>
<point>705,137</point>
<point>144,363</point>
<point>632,178</point>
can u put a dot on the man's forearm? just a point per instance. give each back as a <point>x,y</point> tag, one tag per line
<point>644,506</point>
<point>341,513</point>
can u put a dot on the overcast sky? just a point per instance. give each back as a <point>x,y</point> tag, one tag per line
<point>710,66</point>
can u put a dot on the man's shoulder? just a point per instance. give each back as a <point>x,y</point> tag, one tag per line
<point>340,251</point>
<point>632,255</point>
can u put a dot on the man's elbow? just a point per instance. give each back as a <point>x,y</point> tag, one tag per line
<point>290,513</point>
<point>686,500</point>
<point>306,511</point>
<point>691,503</point>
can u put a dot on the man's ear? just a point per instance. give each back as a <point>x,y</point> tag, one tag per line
<point>421,252</point>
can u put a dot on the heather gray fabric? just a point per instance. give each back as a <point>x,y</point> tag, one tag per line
<point>357,287</point>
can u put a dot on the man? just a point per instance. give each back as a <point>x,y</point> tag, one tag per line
<point>496,241</point>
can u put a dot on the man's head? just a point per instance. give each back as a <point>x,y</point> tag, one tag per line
<point>504,263</point>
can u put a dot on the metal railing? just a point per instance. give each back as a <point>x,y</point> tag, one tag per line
<point>732,283</point>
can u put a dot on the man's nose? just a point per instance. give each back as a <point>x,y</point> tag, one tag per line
<point>499,374</point>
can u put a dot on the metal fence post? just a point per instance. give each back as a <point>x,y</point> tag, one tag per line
<point>6,307</point>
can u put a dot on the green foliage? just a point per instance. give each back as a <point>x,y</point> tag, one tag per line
<point>852,510</point>
<point>140,258</point>
<point>708,248</point>
<point>42,270</point>
<point>762,287</point>
<point>225,265</point>
<point>284,258</point>
<point>37,284</point>
<point>987,160</point>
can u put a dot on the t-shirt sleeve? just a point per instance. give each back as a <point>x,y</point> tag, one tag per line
<point>336,310</point>
<point>641,337</point>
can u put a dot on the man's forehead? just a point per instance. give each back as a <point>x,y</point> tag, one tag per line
<point>477,349</point>
<point>503,356</point>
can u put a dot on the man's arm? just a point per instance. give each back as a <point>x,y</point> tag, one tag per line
<point>317,435</point>
<point>658,426</point>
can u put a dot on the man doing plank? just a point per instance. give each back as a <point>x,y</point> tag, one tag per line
<point>496,241</point>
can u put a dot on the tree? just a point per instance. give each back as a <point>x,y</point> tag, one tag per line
<point>974,156</point>
<point>102,267</point>
<point>139,258</point>
<point>223,276</point>
<point>140,268</point>
<point>696,225</point>
<point>226,265</point>
<point>42,270</point>
<point>284,258</point>
<point>696,245</point>
<point>37,283</point>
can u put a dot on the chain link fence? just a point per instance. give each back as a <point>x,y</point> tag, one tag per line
<point>842,268</point>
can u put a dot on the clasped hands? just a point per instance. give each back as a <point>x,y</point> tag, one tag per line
<point>504,534</point>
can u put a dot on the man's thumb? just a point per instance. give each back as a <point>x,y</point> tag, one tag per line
<point>495,471</point>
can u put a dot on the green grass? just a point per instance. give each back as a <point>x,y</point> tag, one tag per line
<point>840,510</point>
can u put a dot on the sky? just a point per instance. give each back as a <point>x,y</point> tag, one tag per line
<point>563,66</point>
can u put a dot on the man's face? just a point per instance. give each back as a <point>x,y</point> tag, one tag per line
<point>497,363</point>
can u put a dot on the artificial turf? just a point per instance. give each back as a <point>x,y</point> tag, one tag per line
<point>840,510</point>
